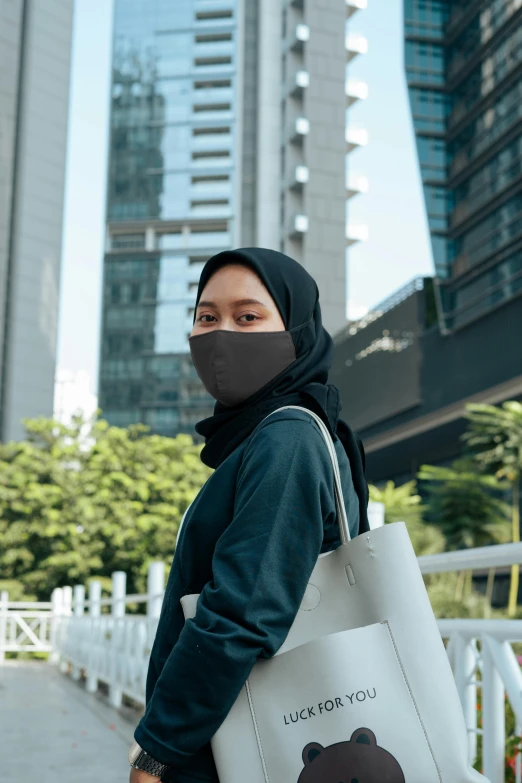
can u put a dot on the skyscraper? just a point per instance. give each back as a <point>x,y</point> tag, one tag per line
<point>35,48</point>
<point>227,130</point>
<point>464,71</point>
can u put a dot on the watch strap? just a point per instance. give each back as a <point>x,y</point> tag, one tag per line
<point>148,764</point>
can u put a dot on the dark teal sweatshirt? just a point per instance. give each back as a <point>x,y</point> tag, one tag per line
<point>249,543</point>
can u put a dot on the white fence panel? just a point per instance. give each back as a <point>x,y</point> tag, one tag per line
<point>114,648</point>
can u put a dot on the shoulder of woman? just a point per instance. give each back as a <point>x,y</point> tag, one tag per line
<point>286,426</point>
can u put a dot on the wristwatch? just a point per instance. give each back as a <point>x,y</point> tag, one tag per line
<point>139,759</point>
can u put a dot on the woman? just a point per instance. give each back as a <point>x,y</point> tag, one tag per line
<point>252,536</point>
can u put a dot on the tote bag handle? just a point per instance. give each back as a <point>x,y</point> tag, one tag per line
<point>342,519</point>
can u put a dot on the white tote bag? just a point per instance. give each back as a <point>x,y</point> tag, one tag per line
<point>361,691</point>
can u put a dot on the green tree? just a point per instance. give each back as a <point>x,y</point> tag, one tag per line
<point>73,507</point>
<point>465,506</point>
<point>404,504</point>
<point>495,438</point>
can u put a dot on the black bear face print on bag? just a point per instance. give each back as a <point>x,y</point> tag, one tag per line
<point>360,760</point>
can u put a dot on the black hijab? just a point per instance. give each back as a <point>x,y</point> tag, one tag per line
<point>303,383</point>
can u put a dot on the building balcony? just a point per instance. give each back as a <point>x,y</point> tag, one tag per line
<point>355,44</point>
<point>299,83</point>
<point>299,129</point>
<point>355,233</point>
<point>355,184</point>
<point>352,6</point>
<point>355,137</point>
<point>300,36</point>
<point>300,177</point>
<point>355,90</point>
<point>298,225</point>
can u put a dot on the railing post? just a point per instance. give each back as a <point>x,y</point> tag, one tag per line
<point>57,611</point>
<point>465,678</point>
<point>66,612</point>
<point>67,600</point>
<point>78,604</point>
<point>375,514</point>
<point>4,598</point>
<point>119,583</point>
<point>518,760</point>
<point>155,588</point>
<point>493,718</point>
<point>94,612</point>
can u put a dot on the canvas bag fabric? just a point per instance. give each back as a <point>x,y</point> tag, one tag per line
<point>362,689</point>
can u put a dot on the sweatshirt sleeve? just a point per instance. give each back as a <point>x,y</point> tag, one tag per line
<point>260,569</point>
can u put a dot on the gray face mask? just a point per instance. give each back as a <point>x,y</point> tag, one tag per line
<point>234,365</point>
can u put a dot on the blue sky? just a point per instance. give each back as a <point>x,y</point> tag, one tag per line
<point>398,247</point>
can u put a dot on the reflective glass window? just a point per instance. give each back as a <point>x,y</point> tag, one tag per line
<point>174,147</point>
<point>497,173</point>
<point>123,418</point>
<point>127,241</point>
<point>169,328</point>
<point>495,231</point>
<point>164,367</point>
<point>122,368</point>
<point>161,418</point>
<point>174,52</point>
<point>132,268</point>
<point>172,199</point>
<point>171,241</point>
<point>123,317</point>
<point>173,103</point>
<point>209,239</point>
<point>171,283</point>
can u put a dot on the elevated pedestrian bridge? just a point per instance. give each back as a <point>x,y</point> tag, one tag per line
<point>72,716</point>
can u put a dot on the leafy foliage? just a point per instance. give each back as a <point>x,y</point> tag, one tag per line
<point>73,508</point>
<point>403,504</point>
<point>495,437</point>
<point>465,505</point>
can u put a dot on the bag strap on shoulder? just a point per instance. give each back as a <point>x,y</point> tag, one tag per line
<point>342,518</point>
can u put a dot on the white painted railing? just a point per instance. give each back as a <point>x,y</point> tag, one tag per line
<point>482,657</point>
<point>25,626</point>
<point>113,647</point>
<point>97,638</point>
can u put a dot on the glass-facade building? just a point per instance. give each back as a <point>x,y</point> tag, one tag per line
<point>227,130</point>
<point>170,201</point>
<point>463,62</point>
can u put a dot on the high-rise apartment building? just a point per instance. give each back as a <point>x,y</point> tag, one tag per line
<point>227,130</point>
<point>35,50</point>
<point>464,70</point>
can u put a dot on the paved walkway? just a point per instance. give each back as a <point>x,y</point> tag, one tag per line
<point>52,731</point>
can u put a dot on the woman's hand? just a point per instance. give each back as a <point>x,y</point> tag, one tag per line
<point>139,776</point>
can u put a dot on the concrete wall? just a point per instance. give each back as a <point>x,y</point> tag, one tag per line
<point>10,43</point>
<point>37,239</point>
<point>324,254</point>
<point>269,126</point>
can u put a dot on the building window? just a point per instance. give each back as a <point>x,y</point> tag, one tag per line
<point>135,291</point>
<point>115,293</point>
<point>202,16</point>
<point>127,241</point>
<point>213,37</point>
<point>209,61</point>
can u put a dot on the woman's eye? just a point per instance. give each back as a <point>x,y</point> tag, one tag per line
<point>203,318</point>
<point>249,317</point>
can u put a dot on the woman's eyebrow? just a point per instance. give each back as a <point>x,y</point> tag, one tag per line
<point>241,302</point>
<point>237,303</point>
